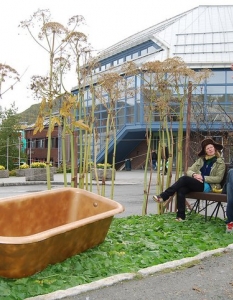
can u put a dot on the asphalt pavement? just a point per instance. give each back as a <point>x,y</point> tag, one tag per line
<point>207,276</point>
<point>128,189</point>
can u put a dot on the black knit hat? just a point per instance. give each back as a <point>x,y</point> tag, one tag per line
<point>206,142</point>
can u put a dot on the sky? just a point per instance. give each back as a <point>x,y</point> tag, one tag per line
<point>108,22</point>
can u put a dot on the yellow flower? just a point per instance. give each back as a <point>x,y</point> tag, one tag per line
<point>2,167</point>
<point>38,165</point>
<point>24,166</point>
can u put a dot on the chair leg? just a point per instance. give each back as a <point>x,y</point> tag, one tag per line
<point>206,205</point>
<point>216,210</point>
<point>223,210</point>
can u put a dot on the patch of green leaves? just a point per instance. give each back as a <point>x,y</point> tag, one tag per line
<point>132,243</point>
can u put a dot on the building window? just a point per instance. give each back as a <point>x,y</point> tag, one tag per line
<point>151,49</point>
<point>217,77</point>
<point>40,143</point>
<point>229,77</point>
<point>135,55</point>
<point>229,89</point>
<point>54,142</point>
<point>128,57</point>
<point>212,89</point>
<point>121,60</point>
<point>33,144</point>
<point>144,52</point>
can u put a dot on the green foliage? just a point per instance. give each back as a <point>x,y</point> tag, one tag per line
<point>101,166</point>
<point>29,115</point>
<point>132,243</point>
<point>9,138</point>
<point>60,170</point>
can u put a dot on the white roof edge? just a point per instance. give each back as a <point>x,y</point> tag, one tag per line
<point>211,65</point>
<point>135,38</point>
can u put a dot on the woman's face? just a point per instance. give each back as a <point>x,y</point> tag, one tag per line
<point>210,150</point>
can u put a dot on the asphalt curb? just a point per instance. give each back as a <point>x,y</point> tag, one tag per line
<point>61,294</point>
<point>2,184</point>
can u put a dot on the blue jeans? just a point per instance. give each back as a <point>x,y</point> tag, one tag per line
<point>154,164</point>
<point>229,183</point>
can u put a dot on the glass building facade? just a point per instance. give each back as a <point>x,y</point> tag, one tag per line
<point>209,44</point>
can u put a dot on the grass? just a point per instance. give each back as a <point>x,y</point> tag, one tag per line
<point>132,243</point>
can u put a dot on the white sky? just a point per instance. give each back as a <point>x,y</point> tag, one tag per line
<point>108,22</point>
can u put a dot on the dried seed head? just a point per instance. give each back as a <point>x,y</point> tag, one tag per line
<point>76,37</point>
<point>76,19</point>
<point>53,27</point>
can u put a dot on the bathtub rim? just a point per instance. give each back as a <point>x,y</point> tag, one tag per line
<point>37,237</point>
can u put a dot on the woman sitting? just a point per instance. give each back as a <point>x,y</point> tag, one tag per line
<point>204,175</point>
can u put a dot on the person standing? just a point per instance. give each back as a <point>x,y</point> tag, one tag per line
<point>229,209</point>
<point>204,175</point>
<point>165,156</point>
<point>154,158</point>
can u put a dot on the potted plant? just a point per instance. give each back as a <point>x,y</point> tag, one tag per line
<point>99,172</point>
<point>37,172</point>
<point>3,172</point>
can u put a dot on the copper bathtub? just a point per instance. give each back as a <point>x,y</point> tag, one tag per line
<point>47,227</point>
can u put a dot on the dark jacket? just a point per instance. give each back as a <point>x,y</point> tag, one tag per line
<point>154,156</point>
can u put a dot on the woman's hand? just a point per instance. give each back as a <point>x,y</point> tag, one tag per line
<point>198,177</point>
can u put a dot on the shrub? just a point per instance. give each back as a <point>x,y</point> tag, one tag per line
<point>38,165</point>
<point>101,166</point>
<point>2,167</point>
<point>24,166</point>
<point>60,170</point>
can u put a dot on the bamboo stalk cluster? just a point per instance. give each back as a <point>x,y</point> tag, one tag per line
<point>164,92</point>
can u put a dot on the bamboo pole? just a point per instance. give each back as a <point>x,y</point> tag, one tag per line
<point>188,126</point>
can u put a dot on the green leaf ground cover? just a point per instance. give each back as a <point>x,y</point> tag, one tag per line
<point>132,243</point>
